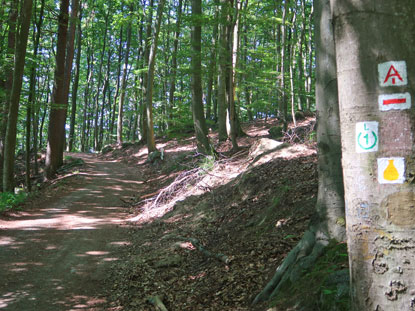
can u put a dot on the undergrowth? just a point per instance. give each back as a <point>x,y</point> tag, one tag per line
<point>9,200</point>
<point>324,288</point>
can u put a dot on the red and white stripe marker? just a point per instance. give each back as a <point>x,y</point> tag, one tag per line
<point>400,101</point>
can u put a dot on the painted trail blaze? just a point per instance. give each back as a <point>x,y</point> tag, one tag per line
<point>391,173</point>
<point>393,73</point>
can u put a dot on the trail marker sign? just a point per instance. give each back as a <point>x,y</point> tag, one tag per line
<point>394,102</point>
<point>393,73</point>
<point>367,137</point>
<point>391,170</point>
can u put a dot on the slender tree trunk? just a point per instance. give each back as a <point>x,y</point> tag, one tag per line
<point>292,38</point>
<point>75,86</point>
<point>70,49</point>
<point>283,101</point>
<point>174,62</point>
<point>375,53</point>
<point>147,45</point>
<point>223,60</point>
<point>89,73</point>
<point>32,93</point>
<point>10,142</point>
<point>199,122</point>
<point>151,144</point>
<point>310,61</point>
<point>117,89</point>
<point>124,84</point>
<point>212,66</point>
<point>8,83</point>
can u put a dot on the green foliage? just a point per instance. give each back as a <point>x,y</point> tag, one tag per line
<point>10,200</point>
<point>207,164</point>
<point>323,288</point>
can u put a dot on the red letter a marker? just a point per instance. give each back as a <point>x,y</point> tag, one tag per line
<point>392,73</point>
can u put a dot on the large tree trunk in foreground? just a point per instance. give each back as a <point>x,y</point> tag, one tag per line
<point>56,129</point>
<point>329,220</point>
<point>20,55</point>
<point>375,53</point>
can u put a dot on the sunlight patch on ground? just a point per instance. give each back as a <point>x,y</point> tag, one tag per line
<point>97,253</point>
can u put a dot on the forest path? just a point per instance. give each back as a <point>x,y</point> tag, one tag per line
<point>57,255</point>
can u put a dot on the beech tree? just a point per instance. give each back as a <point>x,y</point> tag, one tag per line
<point>375,53</point>
<point>56,130</point>
<point>199,122</point>
<point>328,222</point>
<point>14,100</point>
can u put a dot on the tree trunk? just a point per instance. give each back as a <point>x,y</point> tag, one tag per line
<point>199,122</point>
<point>117,89</point>
<point>124,83</point>
<point>212,67</point>
<point>151,144</point>
<point>234,51</point>
<point>10,141</point>
<point>70,49</point>
<point>223,60</point>
<point>283,100</point>
<point>99,91</point>
<point>32,93</point>
<point>56,129</point>
<point>326,224</point>
<point>375,53</point>
<point>8,83</point>
<point>174,62</point>
<point>75,86</point>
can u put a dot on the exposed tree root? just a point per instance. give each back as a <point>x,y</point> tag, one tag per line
<point>157,303</point>
<point>218,256</point>
<point>301,258</point>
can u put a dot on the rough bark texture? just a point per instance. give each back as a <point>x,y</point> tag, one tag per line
<point>329,219</point>
<point>380,217</point>
<point>56,129</point>
<point>10,142</point>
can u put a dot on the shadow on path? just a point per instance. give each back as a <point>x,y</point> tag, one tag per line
<point>57,256</point>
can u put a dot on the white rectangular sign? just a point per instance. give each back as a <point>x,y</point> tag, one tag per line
<point>400,101</point>
<point>391,170</point>
<point>393,73</point>
<point>367,137</point>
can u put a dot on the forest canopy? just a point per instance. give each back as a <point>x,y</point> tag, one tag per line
<point>98,72</point>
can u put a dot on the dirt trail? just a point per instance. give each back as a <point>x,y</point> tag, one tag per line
<point>56,256</point>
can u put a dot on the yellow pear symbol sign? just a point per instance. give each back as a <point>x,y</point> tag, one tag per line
<point>391,173</point>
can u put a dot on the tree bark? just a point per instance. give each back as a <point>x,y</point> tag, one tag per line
<point>10,142</point>
<point>124,84</point>
<point>199,121</point>
<point>223,64</point>
<point>8,83</point>
<point>56,129</point>
<point>283,100</point>
<point>75,86</point>
<point>375,53</point>
<point>173,72</point>
<point>327,222</point>
<point>32,93</point>
<point>151,144</point>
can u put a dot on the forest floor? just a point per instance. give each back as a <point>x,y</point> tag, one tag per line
<point>190,231</point>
